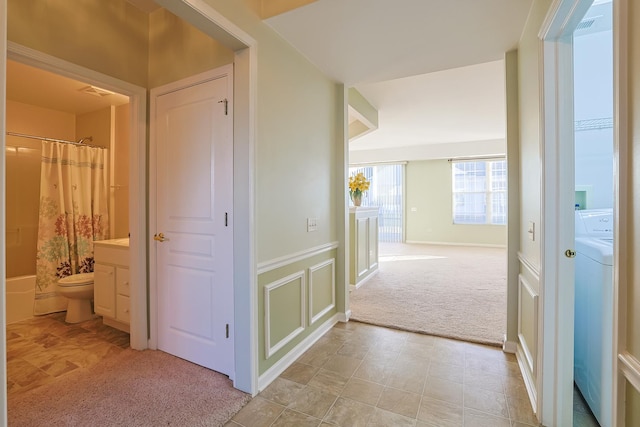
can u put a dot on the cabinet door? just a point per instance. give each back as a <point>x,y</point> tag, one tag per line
<point>104,290</point>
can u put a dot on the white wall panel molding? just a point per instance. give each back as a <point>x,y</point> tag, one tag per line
<point>295,279</point>
<point>281,365</point>
<point>331,264</point>
<point>630,367</point>
<point>527,305</point>
<point>535,271</point>
<point>265,266</point>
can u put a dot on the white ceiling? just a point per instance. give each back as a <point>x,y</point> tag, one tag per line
<point>459,105</point>
<point>366,41</point>
<point>433,68</point>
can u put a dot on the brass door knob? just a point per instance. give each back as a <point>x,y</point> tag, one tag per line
<point>160,237</point>
<point>570,253</point>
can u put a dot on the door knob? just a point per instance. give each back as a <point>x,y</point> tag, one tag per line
<point>160,237</point>
<point>570,253</point>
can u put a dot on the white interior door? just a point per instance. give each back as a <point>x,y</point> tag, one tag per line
<point>194,196</point>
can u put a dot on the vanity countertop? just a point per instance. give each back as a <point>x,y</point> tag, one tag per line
<point>123,242</point>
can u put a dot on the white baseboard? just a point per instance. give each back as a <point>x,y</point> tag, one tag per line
<point>509,346</point>
<point>479,245</point>
<point>344,317</point>
<point>281,365</point>
<point>363,281</point>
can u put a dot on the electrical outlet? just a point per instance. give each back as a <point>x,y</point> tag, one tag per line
<point>312,224</point>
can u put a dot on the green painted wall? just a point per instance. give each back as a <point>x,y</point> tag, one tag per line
<point>178,50</point>
<point>530,106</point>
<point>428,189</point>
<point>633,407</point>
<point>362,106</point>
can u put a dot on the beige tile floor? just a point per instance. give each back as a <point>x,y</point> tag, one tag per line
<point>363,375</point>
<point>45,348</point>
<point>355,375</point>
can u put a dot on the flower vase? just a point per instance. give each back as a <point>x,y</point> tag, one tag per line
<point>356,198</point>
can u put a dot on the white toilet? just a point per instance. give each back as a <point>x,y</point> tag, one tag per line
<point>79,289</point>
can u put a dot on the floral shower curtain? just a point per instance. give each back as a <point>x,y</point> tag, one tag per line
<point>73,213</point>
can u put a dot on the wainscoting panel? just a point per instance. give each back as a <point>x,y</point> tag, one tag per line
<point>296,300</point>
<point>362,229</point>
<point>528,330</point>
<point>284,308</point>
<point>322,289</point>
<point>373,237</point>
<point>528,321</point>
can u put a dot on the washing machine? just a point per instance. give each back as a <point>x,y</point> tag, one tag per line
<point>593,329</point>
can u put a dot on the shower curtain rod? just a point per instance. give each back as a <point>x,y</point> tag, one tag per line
<point>64,141</point>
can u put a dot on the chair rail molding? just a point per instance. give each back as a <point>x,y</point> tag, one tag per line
<point>274,263</point>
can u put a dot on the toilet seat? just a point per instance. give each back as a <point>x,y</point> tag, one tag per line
<point>76,280</point>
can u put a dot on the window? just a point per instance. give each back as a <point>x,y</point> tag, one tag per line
<point>479,192</point>
<point>386,192</point>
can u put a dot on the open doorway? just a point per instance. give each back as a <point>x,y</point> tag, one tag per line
<point>71,117</point>
<point>123,51</point>
<point>594,237</point>
<point>453,259</point>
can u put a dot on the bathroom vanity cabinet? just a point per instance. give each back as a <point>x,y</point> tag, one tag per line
<point>363,244</point>
<point>111,282</point>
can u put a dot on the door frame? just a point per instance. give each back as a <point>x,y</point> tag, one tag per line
<point>245,81</point>
<point>202,16</point>
<point>137,171</point>
<point>621,200</point>
<point>555,383</point>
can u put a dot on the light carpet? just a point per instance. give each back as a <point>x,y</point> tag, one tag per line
<point>451,291</point>
<point>134,388</point>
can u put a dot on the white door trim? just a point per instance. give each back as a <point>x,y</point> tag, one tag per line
<point>555,383</point>
<point>620,183</point>
<point>137,172</point>
<point>3,270</point>
<point>201,15</point>
<point>555,358</point>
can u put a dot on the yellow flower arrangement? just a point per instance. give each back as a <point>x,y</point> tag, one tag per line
<point>358,184</point>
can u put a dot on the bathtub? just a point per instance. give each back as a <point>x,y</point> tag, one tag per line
<point>21,292</point>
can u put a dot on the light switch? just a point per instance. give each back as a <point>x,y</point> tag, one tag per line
<point>312,224</point>
<point>531,231</point>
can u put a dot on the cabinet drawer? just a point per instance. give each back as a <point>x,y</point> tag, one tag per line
<point>123,309</point>
<point>111,255</point>
<point>122,281</point>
